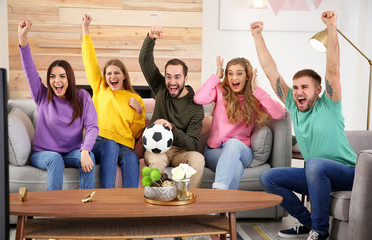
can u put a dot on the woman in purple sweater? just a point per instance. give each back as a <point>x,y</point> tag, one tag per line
<point>239,105</point>
<point>63,114</point>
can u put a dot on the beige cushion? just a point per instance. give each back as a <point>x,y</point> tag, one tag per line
<point>261,144</point>
<point>20,135</point>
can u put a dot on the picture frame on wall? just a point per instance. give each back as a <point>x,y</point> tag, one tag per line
<point>277,15</point>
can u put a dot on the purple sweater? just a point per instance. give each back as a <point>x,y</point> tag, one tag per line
<point>53,132</point>
<point>221,129</point>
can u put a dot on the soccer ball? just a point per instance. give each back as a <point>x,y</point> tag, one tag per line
<point>157,138</point>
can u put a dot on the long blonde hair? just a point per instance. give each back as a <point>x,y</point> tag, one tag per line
<point>251,112</point>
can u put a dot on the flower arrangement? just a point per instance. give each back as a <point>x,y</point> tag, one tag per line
<point>182,175</point>
<point>183,171</point>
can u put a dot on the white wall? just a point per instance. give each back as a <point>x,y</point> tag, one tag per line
<point>4,50</point>
<point>292,52</point>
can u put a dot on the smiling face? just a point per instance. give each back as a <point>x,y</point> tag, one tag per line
<point>58,81</point>
<point>237,78</point>
<point>305,93</point>
<point>175,80</point>
<point>114,77</point>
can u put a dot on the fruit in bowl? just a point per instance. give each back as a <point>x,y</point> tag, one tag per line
<point>157,185</point>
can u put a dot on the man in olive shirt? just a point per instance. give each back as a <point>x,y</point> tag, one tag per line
<point>174,108</point>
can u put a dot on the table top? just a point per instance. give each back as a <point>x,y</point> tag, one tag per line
<point>129,202</point>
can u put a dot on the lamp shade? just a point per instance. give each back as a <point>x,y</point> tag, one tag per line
<point>319,41</point>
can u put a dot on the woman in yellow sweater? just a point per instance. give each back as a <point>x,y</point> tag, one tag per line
<point>121,115</point>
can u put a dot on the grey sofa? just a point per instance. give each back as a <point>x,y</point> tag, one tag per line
<point>351,211</point>
<point>277,136</point>
<point>22,116</point>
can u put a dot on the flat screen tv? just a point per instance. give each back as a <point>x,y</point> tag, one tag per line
<point>4,188</point>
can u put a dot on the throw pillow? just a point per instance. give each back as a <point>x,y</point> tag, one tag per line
<point>261,144</point>
<point>20,135</point>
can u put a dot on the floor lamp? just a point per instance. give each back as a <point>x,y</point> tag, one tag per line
<point>319,43</point>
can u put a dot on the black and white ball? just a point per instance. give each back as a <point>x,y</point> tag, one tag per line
<point>157,138</point>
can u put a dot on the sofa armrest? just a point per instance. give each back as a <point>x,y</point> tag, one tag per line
<point>281,153</point>
<point>360,213</point>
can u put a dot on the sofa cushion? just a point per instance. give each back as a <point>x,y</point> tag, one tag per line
<point>261,143</point>
<point>340,204</point>
<point>21,133</point>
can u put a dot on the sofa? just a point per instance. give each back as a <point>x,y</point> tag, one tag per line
<point>351,211</point>
<point>271,145</point>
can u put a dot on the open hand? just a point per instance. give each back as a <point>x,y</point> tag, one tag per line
<point>254,80</point>
<point>164,123</point>
<point>86,161</point>
<point>219,72</point>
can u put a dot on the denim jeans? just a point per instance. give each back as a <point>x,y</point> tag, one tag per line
<point>228,161</point>
<point>318,179</point>
<point>109,154</point>
<point>54,163</point>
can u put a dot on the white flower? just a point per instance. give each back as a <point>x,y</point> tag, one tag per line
<point>183,171</point>
<point>178,174</point>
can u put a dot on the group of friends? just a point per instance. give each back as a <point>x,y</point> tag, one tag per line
<point>114,117</point>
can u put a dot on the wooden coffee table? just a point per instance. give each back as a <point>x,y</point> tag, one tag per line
<point>123,214</point>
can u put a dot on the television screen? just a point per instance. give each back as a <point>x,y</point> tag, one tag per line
<point>4,189</point>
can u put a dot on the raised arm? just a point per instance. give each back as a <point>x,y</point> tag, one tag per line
<point>37,89</point>
<point>146,60</point>
<point>332,75</point>
<point>90,61</point>
<point>267,62</point>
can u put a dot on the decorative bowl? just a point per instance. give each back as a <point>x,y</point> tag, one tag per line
<point>161,193</point>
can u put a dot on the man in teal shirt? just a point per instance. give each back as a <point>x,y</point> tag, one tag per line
<point>319,129</point>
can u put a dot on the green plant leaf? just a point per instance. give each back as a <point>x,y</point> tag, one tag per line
<point>146,171</point>
<point>155,175</point>
<point>146,181</point>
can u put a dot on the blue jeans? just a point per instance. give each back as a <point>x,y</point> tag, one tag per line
<point>318,179</point>
<point>228,161</point>
<point>54,163</point>
<point>109,154</point>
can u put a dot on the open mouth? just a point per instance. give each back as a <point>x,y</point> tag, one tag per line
<point>58,89</point>
<point>114,83</point>
<point>173,89</point>
<point>301,101</point>
<point>235,85</point>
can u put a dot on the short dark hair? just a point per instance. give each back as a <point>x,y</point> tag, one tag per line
<point>176,61</point>
<point>310,73</point>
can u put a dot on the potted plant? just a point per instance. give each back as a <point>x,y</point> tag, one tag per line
<point>157,185</point>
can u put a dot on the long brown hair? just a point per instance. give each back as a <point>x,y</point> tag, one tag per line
<point>251,109</point>
<point>126,82</point>
<point>71,94</point>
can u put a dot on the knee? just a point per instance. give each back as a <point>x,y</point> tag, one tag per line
<point>265,179</point>
<point>92,157</point>
<point>234,144</point>
<point>314,168</point>
<point>55,160</point>
<point>129,157</point>
<point>110,145</point>
<point>196,160</point>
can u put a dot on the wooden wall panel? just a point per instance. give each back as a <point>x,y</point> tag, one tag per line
<point>117,30</point>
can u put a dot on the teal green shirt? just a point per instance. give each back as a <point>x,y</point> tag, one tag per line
<point>320,131</point>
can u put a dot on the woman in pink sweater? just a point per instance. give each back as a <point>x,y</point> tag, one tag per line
<point>239,105</point>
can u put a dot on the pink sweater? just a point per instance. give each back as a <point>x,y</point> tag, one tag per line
<point>221,129</point>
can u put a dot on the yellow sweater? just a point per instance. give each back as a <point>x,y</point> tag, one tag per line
<point>116,119</point>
